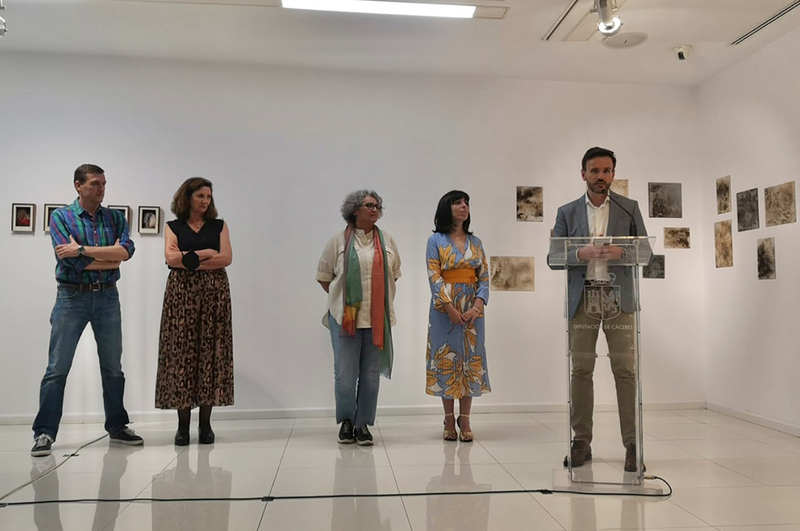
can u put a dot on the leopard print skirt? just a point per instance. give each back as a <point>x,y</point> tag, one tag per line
<point>195,350</point>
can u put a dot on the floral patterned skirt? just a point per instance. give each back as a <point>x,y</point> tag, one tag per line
<point>456,356</point>
<point>195,350</point>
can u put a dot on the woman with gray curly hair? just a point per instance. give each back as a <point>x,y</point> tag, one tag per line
<point>358,269</point>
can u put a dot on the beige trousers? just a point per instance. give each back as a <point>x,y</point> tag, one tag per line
<point>619,332</point>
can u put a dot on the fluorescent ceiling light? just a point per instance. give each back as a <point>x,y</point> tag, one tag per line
<point>378,7</point>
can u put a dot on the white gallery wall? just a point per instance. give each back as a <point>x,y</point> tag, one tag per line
<point>283,147</point>
<point>751,115</point>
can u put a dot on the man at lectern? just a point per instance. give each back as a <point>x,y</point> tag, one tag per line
<point>600,295</point>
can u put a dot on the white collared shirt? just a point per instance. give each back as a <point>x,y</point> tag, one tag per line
<point>331,268</point>
<point>598,228</point>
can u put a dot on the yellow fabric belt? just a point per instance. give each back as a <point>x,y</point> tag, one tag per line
<point>459,276</point>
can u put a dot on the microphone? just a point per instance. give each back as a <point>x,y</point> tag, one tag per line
<point>633,228</point>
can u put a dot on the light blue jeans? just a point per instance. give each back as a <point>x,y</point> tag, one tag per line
<point>72,312</point>
<point>356,372</point>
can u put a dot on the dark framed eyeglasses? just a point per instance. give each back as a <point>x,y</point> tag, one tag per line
<point>372,206</point>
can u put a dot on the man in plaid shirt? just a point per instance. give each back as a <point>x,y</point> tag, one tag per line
<point>90,242</point>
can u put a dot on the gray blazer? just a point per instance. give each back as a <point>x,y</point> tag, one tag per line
<point>571,221</point>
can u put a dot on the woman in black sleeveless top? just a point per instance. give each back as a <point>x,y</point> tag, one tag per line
<point>195,353</point>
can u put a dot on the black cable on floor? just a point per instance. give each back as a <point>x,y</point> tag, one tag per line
<point>268,499</point>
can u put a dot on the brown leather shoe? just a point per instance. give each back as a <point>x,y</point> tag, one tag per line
<point>579,453</point>
<point>630,458</point>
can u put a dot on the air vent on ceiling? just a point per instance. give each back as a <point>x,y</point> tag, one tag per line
<point>767,22</point>
<point>490,12</point>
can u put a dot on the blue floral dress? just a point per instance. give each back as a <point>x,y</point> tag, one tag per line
<point>456,356</point>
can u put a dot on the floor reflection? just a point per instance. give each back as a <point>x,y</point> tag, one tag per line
<point>354,512</point>
<point>584,510</point>
<point>115,463</point>
<point>457,512</point>
<point>182,482</point>
<point>47,516</point>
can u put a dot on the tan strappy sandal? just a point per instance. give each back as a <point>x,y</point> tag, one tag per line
<point>466,436</point>
<point>449,435</point>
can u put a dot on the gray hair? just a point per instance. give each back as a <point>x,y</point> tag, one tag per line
<point>352,202</point>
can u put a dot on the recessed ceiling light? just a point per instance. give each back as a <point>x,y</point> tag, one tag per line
<point>377,7</point>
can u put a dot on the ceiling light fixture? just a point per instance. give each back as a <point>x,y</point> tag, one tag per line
<point>609,23</point>
<point>377,7</point>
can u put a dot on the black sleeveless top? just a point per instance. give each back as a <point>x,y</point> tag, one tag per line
<point>189,240</point>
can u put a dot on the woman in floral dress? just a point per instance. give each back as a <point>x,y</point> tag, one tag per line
<point>459,279</point>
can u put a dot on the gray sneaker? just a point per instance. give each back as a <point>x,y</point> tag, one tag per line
<point>127,436</point>
<point>41,445</point>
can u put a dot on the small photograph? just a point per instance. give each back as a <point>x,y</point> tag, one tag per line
<point>780,204</point>
<point>149,220</point>
<point>665,200</point>
<point>747,210</point>
<point>530,203</point>
<point>49,208</point>
<point>766,259</point>
<point>126,211</point>
<point>655,269</point>
<point>723,243</point>
<point>23,216</point>
<point>724,194</point>
<point>677,238</point>
<point>512,273</point>
<point>620,186</point>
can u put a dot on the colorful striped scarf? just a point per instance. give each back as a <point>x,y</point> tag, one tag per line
<point>353,295</point>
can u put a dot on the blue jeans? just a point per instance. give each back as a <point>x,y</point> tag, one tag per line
<point>72,311</point>
<point>356,372</point>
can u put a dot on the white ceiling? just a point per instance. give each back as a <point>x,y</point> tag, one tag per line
<point>512,47</point>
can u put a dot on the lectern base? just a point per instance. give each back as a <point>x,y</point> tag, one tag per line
<point>602,479</point>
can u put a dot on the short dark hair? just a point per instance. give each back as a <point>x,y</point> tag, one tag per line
<point>596,153</point>
<point>443,220</point>
<point>84,170</point>
<point>181,202</point>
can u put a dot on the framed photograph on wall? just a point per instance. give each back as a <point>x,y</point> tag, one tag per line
<point>48,211</point>
<point>23,217</point>
<point>126,211</point>
<point>149,220</point>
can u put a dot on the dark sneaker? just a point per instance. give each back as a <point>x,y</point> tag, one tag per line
<point>127,436</point>
<point>41,445</point>
<point>346,433</point>
<point>363,436</point>
<point>630,458</point>
<point>579,453</point>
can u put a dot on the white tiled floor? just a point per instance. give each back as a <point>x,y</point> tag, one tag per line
<point>728,475</point>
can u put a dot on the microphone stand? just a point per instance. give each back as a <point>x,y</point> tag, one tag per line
<point>634,229</point>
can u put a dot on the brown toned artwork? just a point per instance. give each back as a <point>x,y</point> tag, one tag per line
<point>780,204</point>
<point>530,203</point>
<point>723,243</point>
<point>766,259</point>
<point>512,273</point>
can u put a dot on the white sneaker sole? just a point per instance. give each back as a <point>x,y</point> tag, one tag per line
<point>128,443</point>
